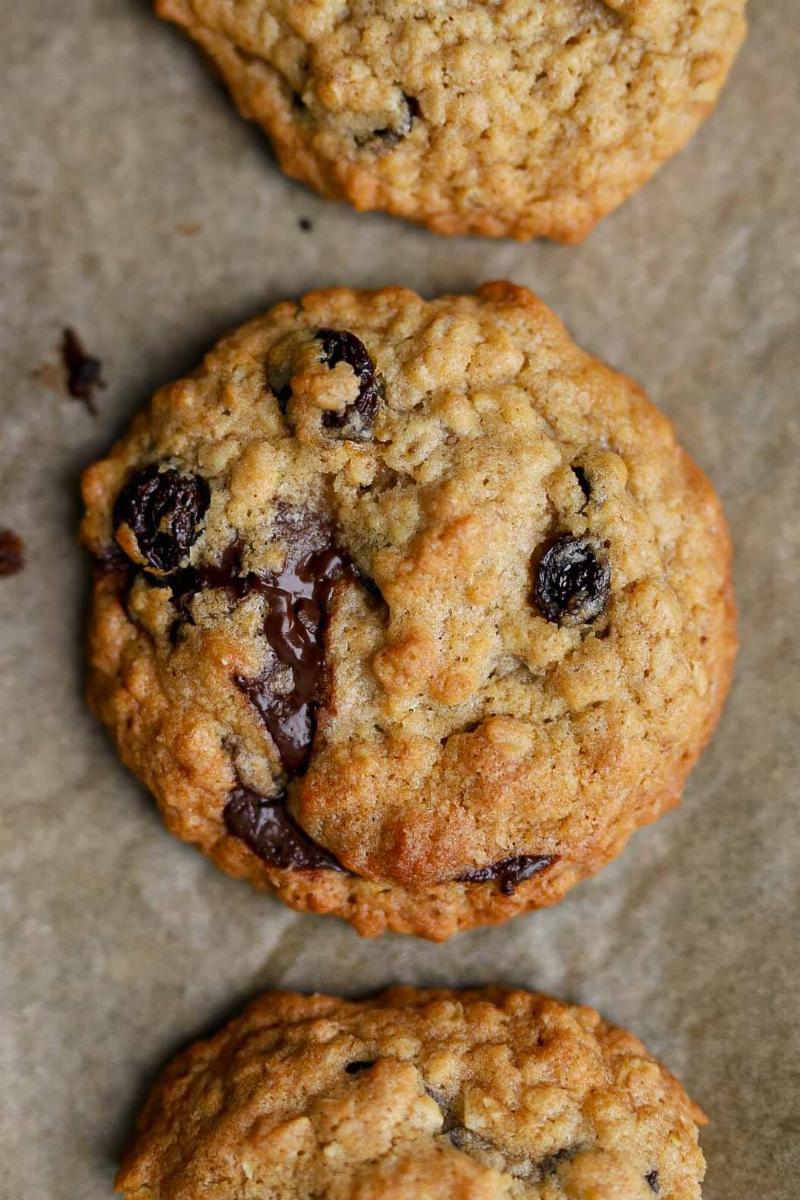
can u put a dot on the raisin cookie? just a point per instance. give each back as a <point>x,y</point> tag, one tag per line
<point>503,118</point>
<point>409,611</point>
<point>488,1094</point>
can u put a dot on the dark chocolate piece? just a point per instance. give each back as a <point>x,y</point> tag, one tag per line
<point>12,552</point>
<point>354,422</point>
<point>572,584</point>
<point>268,828</point>
<point>84,371</point>
<point>297,599</point>
<point>164,509</point>
<point>509,871</point>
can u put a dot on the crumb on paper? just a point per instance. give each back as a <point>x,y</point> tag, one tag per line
<point>188,228</point>
<point>12,553</point>
<point>84,371</point>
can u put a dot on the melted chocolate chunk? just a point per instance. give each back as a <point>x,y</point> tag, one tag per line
<point>509,871</point>
<point>355,1068</point>
<point>84,371</point>
<point>354,422</point>
<point>572,585</point>
<point>12,553</point>
<point>297,600</point>
<point>267,827</point>
<point>164,509</point>
<point>653,1181</point>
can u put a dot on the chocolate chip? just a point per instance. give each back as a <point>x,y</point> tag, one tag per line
<point>509,871</point>
<point>84,372</point>
<point>583,482</point>
<point>164,510</point>
<point>391,135</point>
<point>267,827</point>
<point>572,584</point>
<point>354,422</point>
<point>355,1068</point>
<point>297,599</point>
<point>653,1181</point>
<point>12,552</point>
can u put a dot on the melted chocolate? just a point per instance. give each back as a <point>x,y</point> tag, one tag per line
<point>297,600</point>
<point>509,871</point>
<point>267,827</point>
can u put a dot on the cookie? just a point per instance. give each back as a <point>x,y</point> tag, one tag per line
<point>407,610</point>
<point>435,1094</point>
<point>504,119</point>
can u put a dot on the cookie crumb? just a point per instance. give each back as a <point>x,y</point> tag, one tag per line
<point>305,224</point>
<point>12,553</point>
<point>188,229</point>
<point>84,371</point>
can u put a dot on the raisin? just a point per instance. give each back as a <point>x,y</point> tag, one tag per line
<point>84,371</point>
<point>509,871</point>
<point>391,135</point>
<point>354,422</point>
<point>583,482</point>
<point>653,1181</point>
<point>355,1068</point>
<point>12,552</point>
<point>268,828</point>
<point>164,510</point>
<point>572,584</point>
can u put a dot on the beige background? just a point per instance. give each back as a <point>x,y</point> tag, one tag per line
<point>120,944</point>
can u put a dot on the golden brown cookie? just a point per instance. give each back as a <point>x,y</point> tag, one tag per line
<point>503,118</point>
<point>407,610</point>
<point>417,1094</point>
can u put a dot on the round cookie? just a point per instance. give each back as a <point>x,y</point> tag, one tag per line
<point>488,1094</point>
<point>504,118</point>
<point>408,610</point>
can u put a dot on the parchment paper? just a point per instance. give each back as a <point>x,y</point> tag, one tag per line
<point>140,209</point>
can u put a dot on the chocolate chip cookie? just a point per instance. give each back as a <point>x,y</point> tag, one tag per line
<point>507,118</point>
<point>409,611</point>
<point>440,1094</point>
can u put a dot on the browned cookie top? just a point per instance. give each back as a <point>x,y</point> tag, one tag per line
<point>409,610</point>
<point>467,1095</point>
<point>495,118</point>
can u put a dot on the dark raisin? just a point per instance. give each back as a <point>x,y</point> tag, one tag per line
<point>392,134</point>
<point>267,827</point>
<point>572,584</point>
<point>84,371</point>
<point>355,1068</point>
<point>509,871</point>
<point>297,600</point>
<point>653,1181</point>
<point>354,422</point>
<point>583,482</point>
<point>12,552</point>
<point>164,510</point>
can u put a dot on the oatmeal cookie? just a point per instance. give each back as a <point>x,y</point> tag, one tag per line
<point>502,118</point>
<point>407,610</point>
<point>488,1094</point>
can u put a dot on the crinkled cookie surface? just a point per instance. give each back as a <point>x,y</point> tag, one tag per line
<point>408,610</point>
<point>474,1095</point>
<point>497,118</point>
